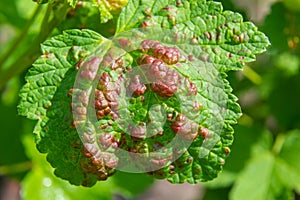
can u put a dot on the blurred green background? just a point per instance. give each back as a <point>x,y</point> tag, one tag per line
<point>264,162</point>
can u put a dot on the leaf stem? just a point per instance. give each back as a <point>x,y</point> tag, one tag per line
<point>44,28</point>
<point>278,143</point>
<point>251,75</point>
<point>19,39</point>
<point>15,168</point>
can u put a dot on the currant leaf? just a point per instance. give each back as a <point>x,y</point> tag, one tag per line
<point>203,28</point>
<point>153,100</point>
<point>60,53</point>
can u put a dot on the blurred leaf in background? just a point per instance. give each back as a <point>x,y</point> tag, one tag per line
<point>14,15</point>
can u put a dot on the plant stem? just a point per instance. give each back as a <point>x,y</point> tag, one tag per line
<point>19,39</point>
<point>44,28</point>
<point>32,52</point>
<point>15,168</point>
<point>278,143</point>
<point>251,75</point>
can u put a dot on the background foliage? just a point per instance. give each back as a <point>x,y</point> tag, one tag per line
<point>264,161</point>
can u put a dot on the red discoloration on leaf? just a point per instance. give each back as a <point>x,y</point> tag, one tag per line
<point>186,128</point>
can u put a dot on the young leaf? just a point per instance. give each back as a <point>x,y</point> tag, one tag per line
<point>109,8</point>
<point>72,2</point>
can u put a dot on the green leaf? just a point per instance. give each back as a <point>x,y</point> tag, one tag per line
<point>72,2</point>
<point>206,36</point>
<point>290,160</point>
<point>105,15</point>
<point>61,141</point>
<point>287,63</point>
<point>220,37</point>
<point>260,180</point>
<point>213,90</point>
<point>287,174</point>
<point>133,14</point>
<point>290,146</point>
<point>214,96</point>
<point>248,187</point>
<point>60,53</point>
<point>47,84</point>
<point>109,8</point>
